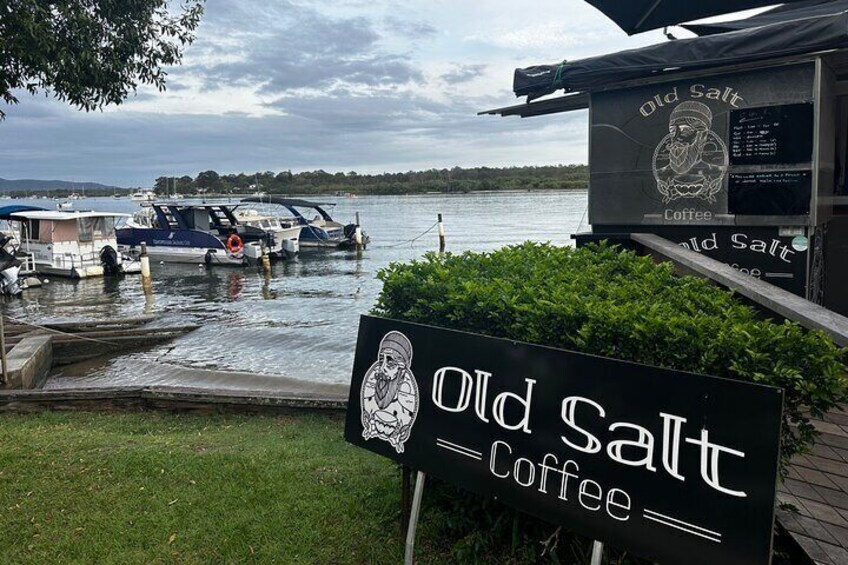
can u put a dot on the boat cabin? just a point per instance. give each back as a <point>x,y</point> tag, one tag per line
<point>72,244</point>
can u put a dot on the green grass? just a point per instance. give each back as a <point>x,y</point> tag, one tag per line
<point>164,488</point>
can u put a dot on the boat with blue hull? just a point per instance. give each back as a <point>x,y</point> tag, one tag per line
<point>319,232</point>
<point>192,233</point>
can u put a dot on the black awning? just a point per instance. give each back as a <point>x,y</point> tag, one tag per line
<point>783,39</point>
<point>636,16</point>
<point>787,12</point>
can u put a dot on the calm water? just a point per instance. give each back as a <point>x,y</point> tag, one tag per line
<point>301,324</point>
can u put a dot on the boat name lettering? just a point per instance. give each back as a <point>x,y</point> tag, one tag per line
<point>171,242</point>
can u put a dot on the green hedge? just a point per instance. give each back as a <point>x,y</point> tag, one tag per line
<point>608,302</point>
<point>614,303</point>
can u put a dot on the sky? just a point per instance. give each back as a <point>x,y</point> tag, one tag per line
<point>338,85</point>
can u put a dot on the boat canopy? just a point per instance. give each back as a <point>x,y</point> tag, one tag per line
<point>292,203</point>
<point>636,16</point>
<point>796,36</point>
<point>7,211</point>
<point>58,216</point>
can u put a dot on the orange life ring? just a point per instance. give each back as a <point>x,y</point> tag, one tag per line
<point>234,244</point>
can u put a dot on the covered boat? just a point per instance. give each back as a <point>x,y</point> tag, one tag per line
<point>191,233</point>
<point>322,230</point>
<point>72,244</point>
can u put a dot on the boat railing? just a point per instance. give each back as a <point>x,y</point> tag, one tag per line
<point>76,260</point>
<point>27,263</point>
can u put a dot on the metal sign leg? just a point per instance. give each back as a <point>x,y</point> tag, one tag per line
<point>597,553</point>
<point>413,518</point>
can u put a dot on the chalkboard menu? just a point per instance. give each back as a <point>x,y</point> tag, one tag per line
<point>771,135</point>
<point>770,193</point>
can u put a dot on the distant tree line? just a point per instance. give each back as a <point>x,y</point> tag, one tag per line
<point>433,180</point>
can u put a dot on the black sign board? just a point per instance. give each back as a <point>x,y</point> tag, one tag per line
<point>672,466</point>
<point>770,193</point>
<point>772,135</point>
<point>663,153</point>
<point>757,251</point>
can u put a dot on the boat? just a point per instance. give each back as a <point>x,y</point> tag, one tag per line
<point>14,263</point>
<point>143,196</point>
<point>72,243</point>
<point>191,233</point>
<point>65,205</point>
<point>286,233</point>
<point>319,232</point>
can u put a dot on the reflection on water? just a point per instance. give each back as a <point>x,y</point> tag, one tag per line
<point>299,323</point>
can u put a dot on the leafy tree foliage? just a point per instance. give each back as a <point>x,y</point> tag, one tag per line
<point>434,180</point>
<point>91,53</point>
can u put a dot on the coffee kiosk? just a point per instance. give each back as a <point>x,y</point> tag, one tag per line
<point>740,157</point>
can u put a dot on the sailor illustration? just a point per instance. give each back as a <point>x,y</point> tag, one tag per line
<point>389,395</point>
<point>696,157</point>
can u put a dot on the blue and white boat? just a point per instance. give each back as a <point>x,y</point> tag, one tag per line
<point>321,230</point>
<point>191,233</point>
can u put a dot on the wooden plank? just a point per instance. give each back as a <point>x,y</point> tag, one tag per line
<point>777,300</point>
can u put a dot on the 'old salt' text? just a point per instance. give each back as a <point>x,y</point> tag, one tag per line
<point>633,445</point>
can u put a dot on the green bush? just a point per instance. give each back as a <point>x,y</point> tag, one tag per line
<point>614,303</point>
<point>609,302</point>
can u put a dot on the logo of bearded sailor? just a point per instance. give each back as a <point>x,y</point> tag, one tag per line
<point>389,395</point>
<point>691,161</point>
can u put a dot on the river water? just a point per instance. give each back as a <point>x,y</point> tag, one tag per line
<point>296,330</point>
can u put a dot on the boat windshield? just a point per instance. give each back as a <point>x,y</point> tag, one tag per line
<point>95,228</point>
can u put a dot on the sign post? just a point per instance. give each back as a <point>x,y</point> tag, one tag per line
<point>413,518</point>
<point>671,466</point>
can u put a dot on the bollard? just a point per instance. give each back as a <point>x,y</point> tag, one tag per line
<point>358,235</point>
<point>441,235</point>
<point>146,280</point>
<point>266,259</point>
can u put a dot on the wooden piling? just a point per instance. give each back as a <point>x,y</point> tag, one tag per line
<point>146,279</point>
<point>441,235</point>
<point>358,235</point>
<point>266,259</point>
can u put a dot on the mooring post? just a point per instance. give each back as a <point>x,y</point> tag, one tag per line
<point>441,235</point>
<point>146,280</point>
<point>358,235</point>
<point>266,260</point>
<point>3,349</point>
<point>413,518</point>
<point>597,553</point>
<point>405,498</point>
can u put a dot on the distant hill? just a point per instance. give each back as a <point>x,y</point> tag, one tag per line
<point>35,185</point>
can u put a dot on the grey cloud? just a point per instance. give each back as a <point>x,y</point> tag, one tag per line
<point>410,29</point>
<point>291,47</point>
<point>463,73</point>
<point>342,133</point>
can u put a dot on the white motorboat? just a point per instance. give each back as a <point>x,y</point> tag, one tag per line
<point>73,244</point>
<point>143,196</point>
<point>286,233</point>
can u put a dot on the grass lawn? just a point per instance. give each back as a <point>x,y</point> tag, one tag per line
<point>164,488</point>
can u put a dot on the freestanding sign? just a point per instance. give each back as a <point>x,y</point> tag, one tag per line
<point>672,466</point>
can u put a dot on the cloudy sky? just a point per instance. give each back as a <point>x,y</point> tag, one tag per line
<point>340,85</point>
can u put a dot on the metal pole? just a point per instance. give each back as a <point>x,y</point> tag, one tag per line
<point>413,519</point>
<point>597,552</point>
<point>441,235</point>
<point>3,350</point>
